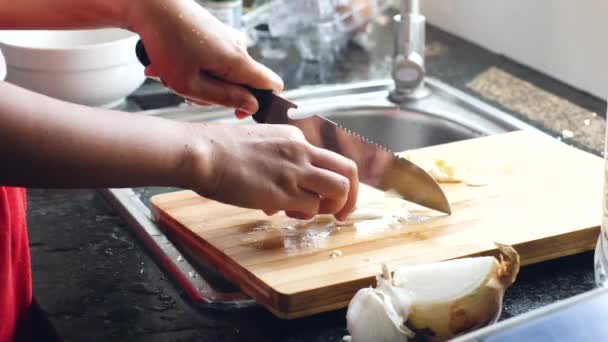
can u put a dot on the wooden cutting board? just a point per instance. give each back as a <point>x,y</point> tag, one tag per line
<point>543,197</point>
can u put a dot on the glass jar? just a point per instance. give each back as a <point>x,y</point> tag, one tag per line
<point>601,250</point>
<point>230,12</point>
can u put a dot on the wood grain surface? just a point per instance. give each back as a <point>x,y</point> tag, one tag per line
<point>542,196</point>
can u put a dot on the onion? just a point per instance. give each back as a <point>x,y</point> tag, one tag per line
<point>435,301</point>
<point>387,306</point>
<point>444,172</point>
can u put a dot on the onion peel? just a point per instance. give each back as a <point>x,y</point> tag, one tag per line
<point>435,302</point>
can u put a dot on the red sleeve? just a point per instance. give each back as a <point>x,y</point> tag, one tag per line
<point>15,274</point>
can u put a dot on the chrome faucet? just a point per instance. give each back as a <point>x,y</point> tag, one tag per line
<point>408,64</point>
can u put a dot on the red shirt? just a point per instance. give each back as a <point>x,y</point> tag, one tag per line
<point>15,274</point>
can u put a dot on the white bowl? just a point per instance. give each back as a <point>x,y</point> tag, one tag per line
<point>90,67</point>
<point>2,67</point>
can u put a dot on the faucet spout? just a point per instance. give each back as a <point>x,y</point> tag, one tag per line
<point>409,60</point>
<point>410,7</point>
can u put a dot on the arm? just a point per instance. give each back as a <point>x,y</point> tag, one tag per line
<point>195,54</point>
<point>64,14</point>
<point>50,143</point>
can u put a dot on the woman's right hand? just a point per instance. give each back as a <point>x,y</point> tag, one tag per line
<point>272,168</point>
<point>198,56</point>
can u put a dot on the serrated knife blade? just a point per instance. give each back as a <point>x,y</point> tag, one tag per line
<point>377,165</point>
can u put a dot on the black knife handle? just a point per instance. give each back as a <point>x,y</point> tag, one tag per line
<point>141,53</point>
<point>264,97</point>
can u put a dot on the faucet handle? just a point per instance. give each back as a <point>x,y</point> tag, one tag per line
<point>408,71</point>
<point>409,64</point>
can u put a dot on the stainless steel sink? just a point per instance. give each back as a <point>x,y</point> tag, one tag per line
<point>401,129</point>
<point>447,115</point>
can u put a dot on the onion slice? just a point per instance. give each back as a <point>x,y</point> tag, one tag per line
<point>433,302</point>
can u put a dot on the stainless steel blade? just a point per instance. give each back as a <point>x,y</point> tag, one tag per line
<point>377,166</point>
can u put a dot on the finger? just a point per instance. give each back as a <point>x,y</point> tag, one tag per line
<point>241,114</point>
<point>209,89</point>
<point>249,72</point>
<point>299,216</point>
<point>330,206</point>
<point>326,159</point>
<point>196,102</point>
<point>331,186</point>
<point>303,202</point>
<point>149,71</point>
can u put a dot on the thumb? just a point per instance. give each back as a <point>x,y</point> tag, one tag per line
<point>254,74</point>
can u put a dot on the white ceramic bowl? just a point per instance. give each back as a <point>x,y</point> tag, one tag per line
<point>2,67</point>
<point>91,67</point>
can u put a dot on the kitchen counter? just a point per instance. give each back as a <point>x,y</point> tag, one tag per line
<point>97,282</point>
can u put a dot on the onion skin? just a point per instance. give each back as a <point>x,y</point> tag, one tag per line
<point>445,320</point>
<point>372,306</point>
<point>379,314</point>
<point>441,321</point>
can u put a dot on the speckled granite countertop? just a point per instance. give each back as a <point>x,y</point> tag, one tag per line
<point>96,281</point>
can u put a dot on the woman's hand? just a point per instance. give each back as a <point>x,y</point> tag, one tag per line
<point>272,168</point>
<point>197,56</point>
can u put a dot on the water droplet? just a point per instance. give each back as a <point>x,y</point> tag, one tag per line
<point>192,274</point>
<point>568,134</point>
<point>180,258</point>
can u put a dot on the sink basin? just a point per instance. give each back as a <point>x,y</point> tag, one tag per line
<point>401,130</point>
<point>447,115</point>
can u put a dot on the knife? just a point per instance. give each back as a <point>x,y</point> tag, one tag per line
<point>377,165</point>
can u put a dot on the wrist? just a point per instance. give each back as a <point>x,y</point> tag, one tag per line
<point>194,168</point>
<point>132,11</point>
<point>112,12</point>
<point>140,15</point>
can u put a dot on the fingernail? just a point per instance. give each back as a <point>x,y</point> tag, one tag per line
<point>279,82</point>
<point>241,113</point>
<point>341,217</point>
<point>299,216</point>
<point>250,106</point>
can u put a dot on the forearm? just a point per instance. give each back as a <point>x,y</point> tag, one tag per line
<point>65,14</point>
<point>49,143</point>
